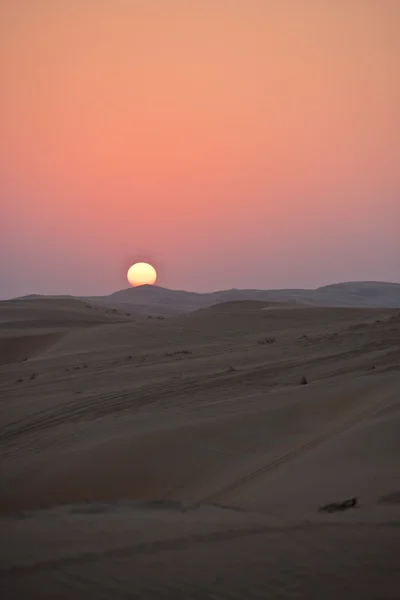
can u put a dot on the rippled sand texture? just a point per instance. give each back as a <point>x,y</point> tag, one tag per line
<point>186,457</point>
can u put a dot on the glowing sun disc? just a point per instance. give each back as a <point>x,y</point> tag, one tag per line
<point>142,274</point>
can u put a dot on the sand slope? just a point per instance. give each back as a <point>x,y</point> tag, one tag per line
<point>183,458</point>
<point>29,326</point>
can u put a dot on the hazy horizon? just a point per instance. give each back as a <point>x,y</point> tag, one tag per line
<point>178,290</point>
<point>230,144</point>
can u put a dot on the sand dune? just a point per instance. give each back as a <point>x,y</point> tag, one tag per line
<point>157,300</point>
<point>43,311</point>
<point>185,457</point>
<point>153,300</point>
<point>18,348</point>
<point>29,326</point>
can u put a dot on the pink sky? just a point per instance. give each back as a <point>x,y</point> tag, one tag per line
<point>231,143</point>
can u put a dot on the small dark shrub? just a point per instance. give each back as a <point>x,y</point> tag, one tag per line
<point>303,338</point>
<point>267,340</point>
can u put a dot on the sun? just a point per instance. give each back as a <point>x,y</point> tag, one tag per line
<point>141,274</point>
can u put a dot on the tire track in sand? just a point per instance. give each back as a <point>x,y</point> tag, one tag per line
<point>340,426</point>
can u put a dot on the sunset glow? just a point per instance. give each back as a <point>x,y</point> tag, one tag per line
<point>235,143</point>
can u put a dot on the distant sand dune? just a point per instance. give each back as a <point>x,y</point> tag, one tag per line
<point>154,299</point>
<point>28,327</point>
<point>22,347</point>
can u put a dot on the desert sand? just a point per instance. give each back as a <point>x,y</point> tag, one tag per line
<point>187,456</point>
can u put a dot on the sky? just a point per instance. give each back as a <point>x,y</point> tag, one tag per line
<point>230,143</point>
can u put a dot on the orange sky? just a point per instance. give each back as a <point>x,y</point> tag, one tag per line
<point>233,143</point>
